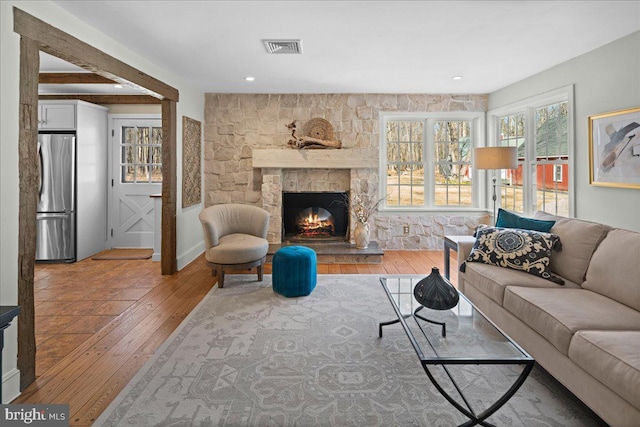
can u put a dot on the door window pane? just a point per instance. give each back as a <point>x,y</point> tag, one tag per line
<point>141,158</point>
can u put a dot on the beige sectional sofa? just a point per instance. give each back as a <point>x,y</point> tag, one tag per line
<point>586,333</point>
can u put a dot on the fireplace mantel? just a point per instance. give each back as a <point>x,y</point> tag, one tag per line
<point>346,158</point>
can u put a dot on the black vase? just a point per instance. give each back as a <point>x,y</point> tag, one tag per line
<point>435,292</point>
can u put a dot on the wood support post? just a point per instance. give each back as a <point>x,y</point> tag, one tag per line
<point>28,203</point>
<point>168,260</point>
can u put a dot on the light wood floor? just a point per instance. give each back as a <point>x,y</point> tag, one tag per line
<point>98,322</point>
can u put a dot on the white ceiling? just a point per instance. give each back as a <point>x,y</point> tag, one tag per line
<point>359,46</point>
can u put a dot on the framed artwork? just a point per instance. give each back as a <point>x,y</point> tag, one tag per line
<point>191,159</point>
<point>614,149</point>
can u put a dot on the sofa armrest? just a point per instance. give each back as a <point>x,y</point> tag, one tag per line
<point>464,249</point>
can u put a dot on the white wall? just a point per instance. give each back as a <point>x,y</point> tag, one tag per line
<point>606,79</point>
<point>134,108</point>
<point>189,233</point>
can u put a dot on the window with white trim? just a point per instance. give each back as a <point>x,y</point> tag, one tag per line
<point>542,129</point>
<point>425,160</point>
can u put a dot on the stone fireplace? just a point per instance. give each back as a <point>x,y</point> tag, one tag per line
<point>332,172</point>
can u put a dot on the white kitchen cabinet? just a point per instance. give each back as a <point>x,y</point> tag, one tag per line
<point>56,116</point>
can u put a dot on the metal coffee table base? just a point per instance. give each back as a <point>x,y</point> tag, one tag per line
<point>492,346</point>
<point>393,322</point>
<point>465,408</point>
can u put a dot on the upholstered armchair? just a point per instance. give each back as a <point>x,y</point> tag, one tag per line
<point>235,238</point>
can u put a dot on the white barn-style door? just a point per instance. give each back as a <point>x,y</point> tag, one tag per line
<point>136,174</point>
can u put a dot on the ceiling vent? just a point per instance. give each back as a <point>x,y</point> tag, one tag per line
<point>283,46</point>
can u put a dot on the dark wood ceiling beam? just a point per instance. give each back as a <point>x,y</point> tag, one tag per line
<point>74,78</point>
<point>106,99</point>
<point>58,43</point>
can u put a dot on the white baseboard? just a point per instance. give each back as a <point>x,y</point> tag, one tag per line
<point>189,255</point>
<point>10,386</point>
<point>156,257</point>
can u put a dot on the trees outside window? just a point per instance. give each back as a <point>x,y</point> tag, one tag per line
<point>426,160</point>
<point>141,154</point>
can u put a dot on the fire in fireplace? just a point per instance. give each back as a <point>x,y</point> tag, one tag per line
<point>314,216</point>
<point>315,222</point>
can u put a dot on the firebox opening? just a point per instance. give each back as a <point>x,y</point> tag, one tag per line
<point>321,216</point>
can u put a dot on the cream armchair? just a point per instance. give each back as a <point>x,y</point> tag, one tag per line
<point>235,238</point>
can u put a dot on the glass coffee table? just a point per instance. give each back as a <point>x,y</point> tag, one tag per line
<point>471,339</point>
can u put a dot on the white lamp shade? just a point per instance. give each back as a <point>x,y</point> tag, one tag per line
<point>495,158</point>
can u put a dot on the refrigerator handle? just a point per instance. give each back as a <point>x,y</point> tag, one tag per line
<point>40,166</point>
<point>73,174</point>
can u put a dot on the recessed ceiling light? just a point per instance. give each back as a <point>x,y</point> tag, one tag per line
<point>456,78</point>
<point>249,78</point>
<point>118,86</point>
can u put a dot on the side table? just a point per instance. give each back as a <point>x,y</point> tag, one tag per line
<point>7,313</point>
<point>451,242</point>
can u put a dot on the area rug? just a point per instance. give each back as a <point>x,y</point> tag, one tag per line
<point>247,356</point>
<point>123,254</point>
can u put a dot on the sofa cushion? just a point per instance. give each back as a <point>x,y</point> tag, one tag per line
<point>579,240</point>
<point>614,270</point>
<point>492,280</point>
<point>522,250</point>
<point>508,219</point>
<point>613,357</point>
<point>237,248</point>
<point>558,313</point>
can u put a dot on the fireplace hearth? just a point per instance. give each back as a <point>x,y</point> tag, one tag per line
<point>314,217</point>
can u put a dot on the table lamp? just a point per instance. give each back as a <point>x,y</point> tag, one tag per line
<point>492,158</point>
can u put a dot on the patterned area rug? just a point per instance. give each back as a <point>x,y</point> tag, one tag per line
<point>247,356</point>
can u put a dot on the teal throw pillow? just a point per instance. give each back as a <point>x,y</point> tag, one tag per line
<point>508,219</point>
<point>523,250</point>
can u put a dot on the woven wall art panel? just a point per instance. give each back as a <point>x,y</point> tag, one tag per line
<point>191,160</point>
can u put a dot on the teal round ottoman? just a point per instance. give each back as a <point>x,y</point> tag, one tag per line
<point>294,271</point>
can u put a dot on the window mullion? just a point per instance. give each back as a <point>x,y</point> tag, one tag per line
<point>429,163</point>
<point>529,169</point>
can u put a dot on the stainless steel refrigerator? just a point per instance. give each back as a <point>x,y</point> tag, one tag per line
<point>56,222</point>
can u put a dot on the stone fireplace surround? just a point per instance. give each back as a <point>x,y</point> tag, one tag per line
<point>298,171</point>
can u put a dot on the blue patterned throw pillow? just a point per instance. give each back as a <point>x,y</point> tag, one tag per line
<point>524,250</point>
